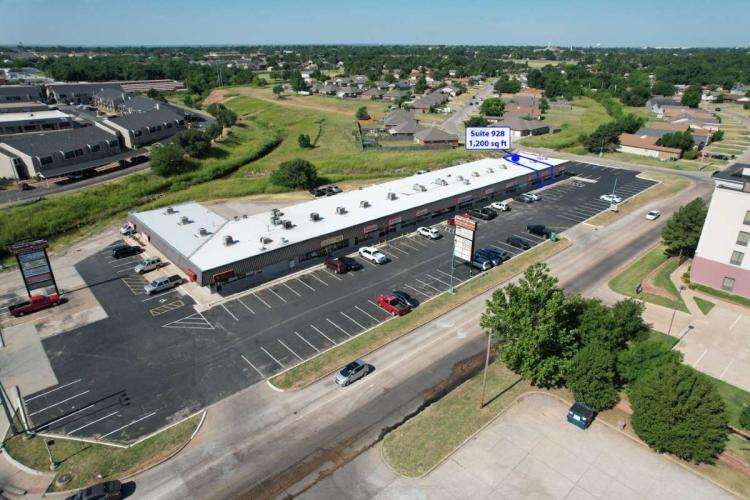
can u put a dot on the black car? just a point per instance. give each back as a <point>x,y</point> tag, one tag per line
<point>539,230</point>
<point>523,199</point>
<point>111,490</point>
<point>518,242</point>
<point>317,192</point>
<point>478,214</point>
<point>488,212</point>
<point>331,190</point>
<point>121,251</point>
<point>496,252</point>
<point>405,298</point>
<point>351,264</point>
<point>718,156</point>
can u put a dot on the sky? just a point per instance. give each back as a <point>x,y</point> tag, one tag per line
<point>611,23</point>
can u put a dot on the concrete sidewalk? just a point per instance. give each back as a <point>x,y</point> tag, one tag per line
<point>15,478</point>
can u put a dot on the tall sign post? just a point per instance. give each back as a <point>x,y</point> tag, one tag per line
<point>463,243</point>
<point>34,265</point>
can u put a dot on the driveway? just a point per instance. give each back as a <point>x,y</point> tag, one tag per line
<point>529,452</point>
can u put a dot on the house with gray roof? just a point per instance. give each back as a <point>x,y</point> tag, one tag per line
<point>396,117</point>
<point>406,129</point>
<point>433,136</point>
<point>521,127</point>
<point>139,129</point>
<point>373,93</point>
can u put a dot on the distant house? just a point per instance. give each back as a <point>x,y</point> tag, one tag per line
<point>348,92</point>
<point>401,85</point>
<point>426,103</point>
<point>395,95</point>
<point>704,121</point>
<point>373,93</point>
<point>657,104</point>
<point>522,128</point>
<point>432,136</point>
<point>382,85</point>
<point>328,89</point>
<point>532,112</point>
<point>525,100</point>
<point>645,145</point>
<point>77,93</point>
<point>139,129</point>
<point>406,129</point>
<point>396,117</point>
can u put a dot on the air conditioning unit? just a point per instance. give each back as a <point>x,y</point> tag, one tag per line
<point>275,221</point>
<point>440,182</point>
<point>475,174</point>
<point>287,224</point>
<point>467,181</point>
<point>170,210</point>
<point>184,220</point>
<point>340,210</point>
<point>364,204</point>
<point>202,231</point>
<point>275,212</point>
<point>459,178</point>
<point>244,216</point>
<point>419,187</point>
<point>284,240</point>
<point>265,239</point>
<point>314,216</point>
<point>392,196</point>
<point>490,170</point>
<point>228,240</point>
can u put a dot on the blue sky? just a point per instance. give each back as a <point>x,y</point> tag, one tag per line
<point>636,23</point>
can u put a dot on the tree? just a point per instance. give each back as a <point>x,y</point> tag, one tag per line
<point>213,130</point>
<point>506,85</point>
<point>663,88</point>
<point>492,106</point>
<point>278,89</point>
<point>745,417</point>
<point>297,82</point>
<point>304,141</point>
<point>605,138</point>
<point>226,118</point>
<point>476,121</point>
<point>535,79</point>
<point>193,142</point>
<point>362,114</point>
<point>682,232</point>
<point>642,357</point>
<point>611,327</point>
<point>421,85</point>
<point>692,96</point>
<point>169,160</point>
<point>537,324</point>
<point>678,410</point>
<point>679,140</point>
<point>295,174</point>
<point>188,100</point>
<point>592,377</point>
<point>717,136</point>
<point>544,104</point>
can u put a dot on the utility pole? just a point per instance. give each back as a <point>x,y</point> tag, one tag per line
<point>7,409</point>
<point>486,365</point>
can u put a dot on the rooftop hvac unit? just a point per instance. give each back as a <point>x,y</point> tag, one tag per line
<point>202,231</point>
<point>314,216</point>
<point>275,221</point>
<point>392,196</point>
<point>244,216</point>
<point>459,178</point>
<point>170,210</point>
<point>275,212</point>
<point>419,187</point>
<point>490,170</point>
<point>340,210</point>
<point>467,181</point>
<point>364,204</point>
<point>475,174</point>
<point>184,220</point>
<point>265,239</point>
<point>236,217</point>
<point>228,240</point>
<point>441,182</point>
<point>287,224</point>
<point>284,240</point>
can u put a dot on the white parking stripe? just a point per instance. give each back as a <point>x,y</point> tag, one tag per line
<point>246,306</point>
<point>419,292</point>
<point>417,242</point>
<point>314,276</point>
<point>292,290</point>
<point>67,415</point>
<point>570,218</point>
<point>258,297</point>
<point>724,371</point>
<point>128,425</point>
<point>59,403</point>
<point>351,319</point>
<point>398,249</point>
<point>389,254</point>
<point>337,326</point>
<point>308,343</point>
<point>456,278</point>
<point>270,356</point>
<point>273,292</point>
<point>329,273</point>
<point>408,246</point>
<point>51,391</point>
<point>308,286</point>
<point>229,312</point>
<point>254,368</point>
<point>289,349</point>
<point>376,306</point>
<point>323,334</point>
<point>161,295</point>
<point>428,285</point>
<point>438,279</point>
<point>92,423</point>
<point>367,314</point>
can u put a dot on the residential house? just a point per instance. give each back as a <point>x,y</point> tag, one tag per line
<point>433,136</point>
<point>395,95</point>
<point>396,117</point>
<point>140,129</point>
<point>328,89</point>
<point>645,145</point>
<point>522,128</point>
<point>657,104</point>
<point>406,129</point>
<point>531,112</point>
<point>348,92</point>
<point>703,121</point>
<point>373,93</point>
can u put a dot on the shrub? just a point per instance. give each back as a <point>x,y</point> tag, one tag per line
<point>745,417</point>
<point>690,155</point>
<point>194,142</point>
<point>362,114</point>
<point>592,377</point>
<point>295,174</point>
<point>643,357</point>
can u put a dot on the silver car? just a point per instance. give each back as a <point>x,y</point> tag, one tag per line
<point>148,264</point>
<point>351,372</point>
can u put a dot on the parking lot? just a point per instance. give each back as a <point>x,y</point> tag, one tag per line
<point>156,359</point>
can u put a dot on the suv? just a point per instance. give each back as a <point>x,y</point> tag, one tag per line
<point>342,265</point>
<point>482,252</point>
<point>121,251</point>
<point>126,229</point>
<point>428,232</point>
<point>481,262</point>
<point>496,252</point>
<point>393,305</point>
<point>373,255</point>
<point>148,264</point>
<point>518,242</point>
<point>533,196</point>
<point>352,372</point>
<point>482,213</point>
<point>523,198</point>
<point>539,230</point>
<point>500,205</point>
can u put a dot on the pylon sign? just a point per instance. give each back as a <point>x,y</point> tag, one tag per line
<point>463,244</point>
<point>34,265</point>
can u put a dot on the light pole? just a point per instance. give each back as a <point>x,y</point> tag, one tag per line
<point>486,364</point>
<point>52,463</point>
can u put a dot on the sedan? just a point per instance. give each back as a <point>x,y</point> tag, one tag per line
<point>523,199</point>
<point>653,215</point>
<point>518,242</point>
<point>496,252</point>
<point>610,198</point>
<point>533,196</point>
<point>393,305</point>
<point>373,255</point>
<point>406,298</point>
<point>428,232</point>
<point>352,372</point>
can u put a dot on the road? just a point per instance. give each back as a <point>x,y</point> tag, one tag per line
<point>451,124</point>
<point>260,443</point>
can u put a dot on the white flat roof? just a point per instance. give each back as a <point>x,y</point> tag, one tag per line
<point>33,115</point>
<point>247,232</point>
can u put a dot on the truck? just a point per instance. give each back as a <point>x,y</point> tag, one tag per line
<point>148,264</point>
<point>161,284</point>
<point>35,303</point>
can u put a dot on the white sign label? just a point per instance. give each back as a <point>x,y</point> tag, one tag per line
<point>463,244</point>
<point>484,138</point>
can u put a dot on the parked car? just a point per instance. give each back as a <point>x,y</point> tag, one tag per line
<point>352,372</point>
<point>393,305</point>
<point>481,262</point>
<point>162,284</point>
<point>518,242</point>
<point>148,264</point>
<point>342,265</point>
<point>539,230</point>
<point>332,189</point>
<point>501,254</point>
<point>719,156</point>
<point>352,264</point>
<point>35,303</point>
<point>717,109</point>
<point>533,196</point>
<point>428,232</point>
<point>502,206</point>
<point>495,259</point>
<point>373,255</point>
<point>406,298</point>
<point>121,251</point>
<point>523,198</point>
<point>317,192</point>
<point>653,215</point>
<point>126,230</point>
<point>581,415</point>
<point>482,213</point>
<point>111,490</point>
<point>610,198</point>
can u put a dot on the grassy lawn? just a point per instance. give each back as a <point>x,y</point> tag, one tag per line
<point>669,185</point>
<point>665,339</point>
<point>625,282</point>
<point>84,460</point>
<point>734,397</point>
<point>704,305</point>
<point>684,165</point>
<point>329,361</point>
<point>584,116</point>
<point>723,295</point>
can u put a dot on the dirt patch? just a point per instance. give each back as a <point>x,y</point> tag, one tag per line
<point>735,463</point>
<point>216,96</point>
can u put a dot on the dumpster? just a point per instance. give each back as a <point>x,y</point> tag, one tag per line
<point>553,236</point>
<point>581,415</point>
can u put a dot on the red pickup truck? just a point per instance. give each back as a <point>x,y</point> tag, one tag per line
<point>36,303</point>
<point>393,305</point>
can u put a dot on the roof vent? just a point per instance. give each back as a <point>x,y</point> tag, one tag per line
<point>340,210</point>
<point>236,217</point>
<point>392,196</point>
<point>275,221</point>
<point>364,204</point>
<point>441,182</point>
<point>265,240</point>
<point>244,216</point>
<point>475,174</point>
<point>287,224</point>
<point>228,240</point>
<point>284,240</point>
<point>467,181</point>
<point>459,178</point>
<point>419,187</point>
<point>184,220</point>
<point>170,210</point>
<point>314,216</point>
<point>202,231</point>
<point>490,170</point>
<point>275,212</point>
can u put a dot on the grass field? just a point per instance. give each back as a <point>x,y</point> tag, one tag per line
<point>584,116</point>
<point>704,305</point>
<point>665,339</point>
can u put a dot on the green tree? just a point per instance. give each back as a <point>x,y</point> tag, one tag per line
<point>295,174</point>
<point>213,130</point>
<point>476,121</point>
<point>278,89</point>
<point>297,82</point>
<point>692,96</point>
<point>745,417</point>
<point>507,85</point>
<point>663,88</point>
<point>193,142</point>
<point>605,138</point>
<point>682,232</point>
<point>678,410</point>
<point>188,100</point>
<point>642,357</point>
<point>535,79</point>
<point>544,104</point>
<point>304,141</point>
<point>421,85</point>
<point>717,136</point>
<point>536,323</point>
<point>362,114</point>
<point>492,106</point>
<point>679,140</point>
<point>226,118</point>
<point>592,377</point>
<point>611,327</point>
<point>170,160</point>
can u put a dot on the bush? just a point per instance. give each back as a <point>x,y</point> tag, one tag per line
<point>170,160</point>
<point>304,141</point>
<point>642,357</point>
<point>690,155</point>
<point>295,174</point>
<point>745,417</point>
<point>678,410</point>
<point>592,377</point>
<point>717,136</point>
<point>362,114</point>
<point>193,142</point>
<point>492,106</point>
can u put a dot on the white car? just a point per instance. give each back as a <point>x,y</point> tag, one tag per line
<point>428,232</point>
<point>126,230</point>
<point>502,206</point>
<point>610,198</point>
<point>533,196</point>
<point>653,215</point>
<point>373,255</point>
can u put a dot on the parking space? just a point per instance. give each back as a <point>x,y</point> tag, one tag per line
<point>168,359</point>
